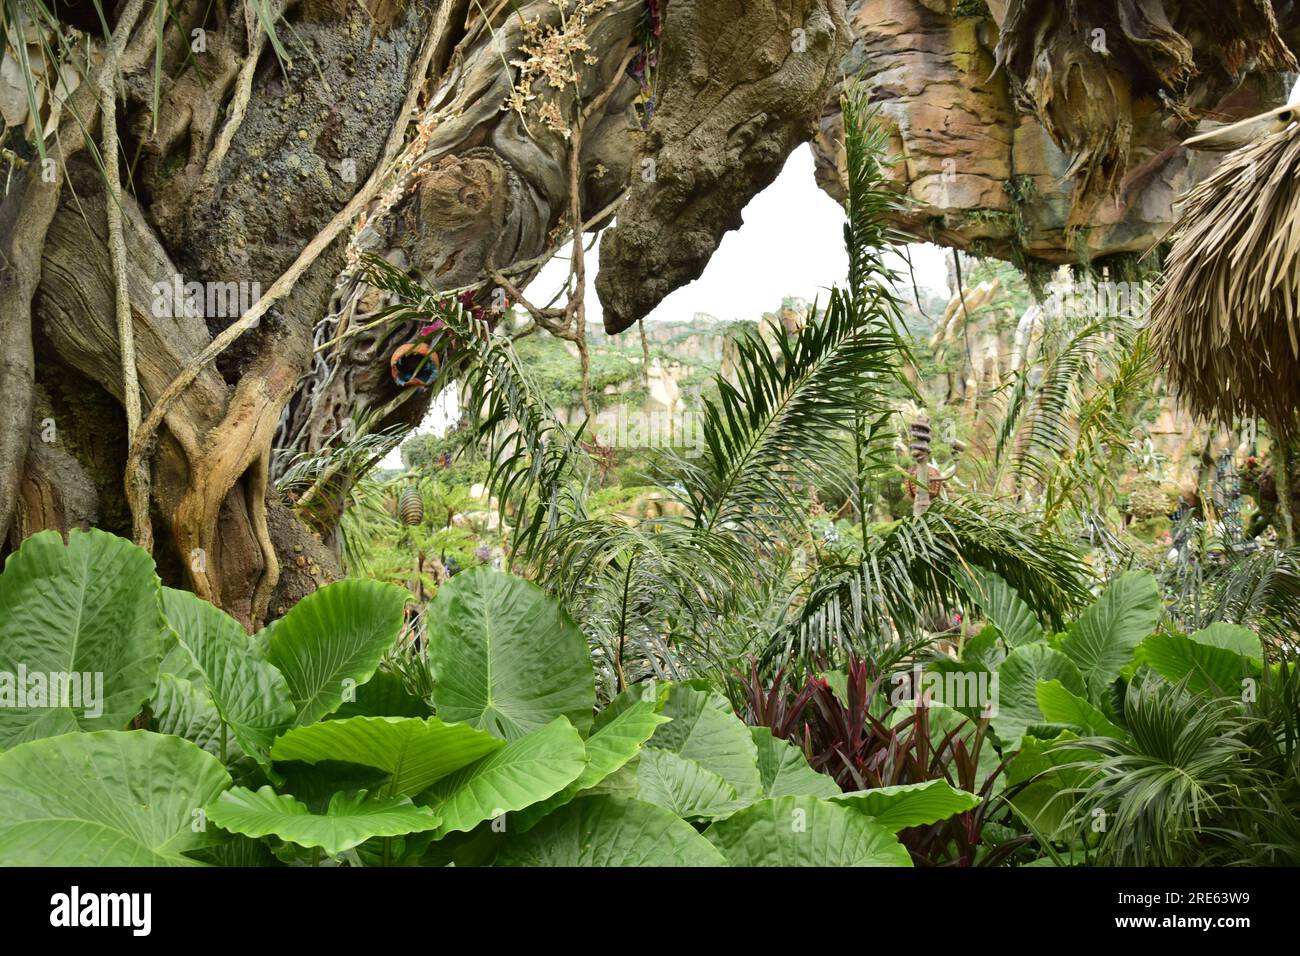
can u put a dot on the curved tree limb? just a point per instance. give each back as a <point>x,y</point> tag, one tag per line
<point>117,245</point>
<point>137,476</point>
<point>25,219</point>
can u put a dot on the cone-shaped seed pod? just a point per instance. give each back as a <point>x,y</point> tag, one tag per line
<point>410,507</point>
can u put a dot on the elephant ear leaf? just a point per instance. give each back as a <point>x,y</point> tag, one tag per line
<point>348,821</point>
<point>604,830</point>
<point>686,787</point>
<point>1018,679</point>
<point>508,658</point>
<point>909,805</point>
<point>704,730</point>
<point>248,694</point>
<point>1104,638</point>
<point>414,752</point>
<point>805,831</point>
<point>1212,661</point>
<point>1004,608</point>
<point>523,772</point>
<point>784,769</point>
<point>80,635</point>
<point>110,798</point>
<point>617,741</point>
<point>331,642</point>
<point>1060,706</point>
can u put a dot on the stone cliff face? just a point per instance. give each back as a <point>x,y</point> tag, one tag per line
<point>1035,134</point>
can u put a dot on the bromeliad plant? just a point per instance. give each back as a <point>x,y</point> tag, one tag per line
<point>293,746</point>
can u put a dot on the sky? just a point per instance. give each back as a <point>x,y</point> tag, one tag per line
<point>791,244</point>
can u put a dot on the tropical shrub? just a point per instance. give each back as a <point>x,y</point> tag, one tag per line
<point>848,726</point>
<point>1118,740</point>
<point>1147,746</point>
<point>293,746</point>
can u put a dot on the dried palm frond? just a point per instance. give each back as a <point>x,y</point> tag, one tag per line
<point>1226,320</point>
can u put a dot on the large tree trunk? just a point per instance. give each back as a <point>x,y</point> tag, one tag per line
<point>232,219</point>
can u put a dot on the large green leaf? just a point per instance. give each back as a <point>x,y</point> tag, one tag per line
<point>249,695</point>
<point>805,831</point>
<point>650,692</point>
<point>1061,706</point>
<point>384,695</point>
<point>80,633</point>
<point>111,798</point>
<point>1231,637</point>
<point>349,821</point>
<point>415,752</point>
<point>1004,608</point>
<point>685,787</point>
<point>181,708</point>
<point>1212,661</point>
<point>1018,679</point>
<point>507,657</point>
<point>610,831</point>
<point>616,742</point>
<point>966,686</point>
<point>331,641</point>
<point>909,805</point>
<point>984,649</point>
<point>1102,641</point>
<point>1044,780</point>
<point>316,783</point>
<point>704,729</point>
<point>784,770</point>
<point>525,771</point>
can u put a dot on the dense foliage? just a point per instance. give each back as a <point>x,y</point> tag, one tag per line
<point>744,649</point>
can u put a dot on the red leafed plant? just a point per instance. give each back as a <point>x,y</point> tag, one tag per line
<point>864,741</point>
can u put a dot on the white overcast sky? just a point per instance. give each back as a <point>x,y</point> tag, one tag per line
<point>791,243</point>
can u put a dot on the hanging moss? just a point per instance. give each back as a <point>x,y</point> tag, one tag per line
<point>971,8</point>
<point>1022,190</point>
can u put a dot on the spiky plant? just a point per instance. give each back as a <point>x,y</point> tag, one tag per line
<point>1261,591</point>
<point>1171,792</point>
<point>1069,414</point>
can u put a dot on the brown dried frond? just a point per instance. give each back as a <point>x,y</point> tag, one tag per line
<point>1226,320</point>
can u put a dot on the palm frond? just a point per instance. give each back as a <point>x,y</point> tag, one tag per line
<point>1168,793</point>
<point>921,565</point>
<point>648,595</point>
<point>784,419</point>
<point>1261,591</point>
<point>1226,319</point>
<point>1069,416</point>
